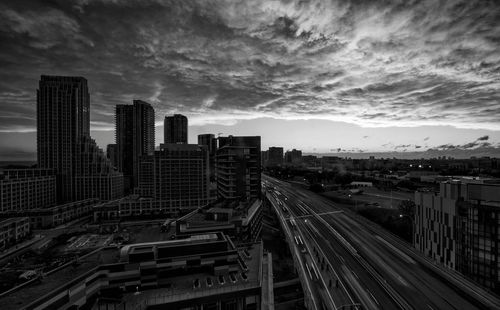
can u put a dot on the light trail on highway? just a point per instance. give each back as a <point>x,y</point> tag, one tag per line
<point>382,271</point>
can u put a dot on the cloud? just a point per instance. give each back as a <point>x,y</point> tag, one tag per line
<point>373,63</point>
<point>483,138</point>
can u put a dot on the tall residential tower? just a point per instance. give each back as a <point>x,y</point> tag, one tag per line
<point>176,129</point>
<point>135,137</point>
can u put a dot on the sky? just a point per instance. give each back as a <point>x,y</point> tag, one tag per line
<point>321,76</point>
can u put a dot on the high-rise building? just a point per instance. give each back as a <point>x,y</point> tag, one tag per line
<point>135,137</point>
<point>238,167</point>
<point>63,118</point>
<point>460,228</point>
<point>210,142</point>
<point>175,129</point>
<point>64,142</point>
<point>275,156</point>
<point>177,174</point>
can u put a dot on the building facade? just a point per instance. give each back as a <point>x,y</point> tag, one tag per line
<point>210,142</point>
<point>460,228</point>
<point>112,154</point>
<point>175,129</point>
<point>64,143</point>
<point>24,189</point>
<point>135,137</point>
<point>238,168</point>
<point>13,230</point>
<point>177,174</point>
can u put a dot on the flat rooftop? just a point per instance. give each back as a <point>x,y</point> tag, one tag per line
<point>26,295</point>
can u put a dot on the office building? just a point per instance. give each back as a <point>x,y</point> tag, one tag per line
<point>24,189</point>
<point>64,143</point>
<point>177,174</point>
<point>238,168</point>
<point>135,137</point>
<point>13,230</point>
<point>293,157</point>
<point>204,271</point>
<point>275,156</point>
<point>175,129</point>
<point>460,228</point>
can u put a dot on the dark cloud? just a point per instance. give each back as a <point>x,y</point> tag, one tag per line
<point>483,138</point>
<point>377,63</point>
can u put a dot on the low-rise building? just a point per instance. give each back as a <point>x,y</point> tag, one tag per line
<point>24,189</point>
<point>13,230</point>
<point>43,218</point>
<point>201,271</point>
<point>241,221</point>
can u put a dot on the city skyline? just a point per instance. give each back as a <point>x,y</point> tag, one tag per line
<point>358,77</point>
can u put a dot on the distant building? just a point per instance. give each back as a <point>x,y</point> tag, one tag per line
<point>177,174</point>
<point>64,143</point>
<point>460,227</point>
<point>24,189</point>
<point>204,271</point>
<point>210,142</point>
<point>175,129</point>
<point>239,168</point>
<point>13,230</point>
<point>275,156</point>
<point>112,154</point>
<point>293,157</point>
<point>135,137</point>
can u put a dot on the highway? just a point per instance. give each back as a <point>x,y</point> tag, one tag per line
<point>380,270</point>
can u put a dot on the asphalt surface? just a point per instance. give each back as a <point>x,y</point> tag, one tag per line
<point>380,270</point>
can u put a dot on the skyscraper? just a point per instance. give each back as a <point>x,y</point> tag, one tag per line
<point>64,142</point>
<point>238,168</point>
<point>176,129</point>
<point>63,105</point>
<point>135,137</point>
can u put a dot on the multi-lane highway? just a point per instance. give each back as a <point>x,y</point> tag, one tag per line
<point>379,270</point>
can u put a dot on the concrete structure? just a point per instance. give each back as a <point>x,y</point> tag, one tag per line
<point>177,174</point>
<point>460,228</point>
<point>24,189</point>
<point>134,207</point>
<point>175,129</point>
<point>238,168</point>
<point>201,271</point>
<point>56,215</point>
<point>210,142</point>
<point>13,230</point>
<point>242,221</point>
<point>64,142</point>
<point>135,137</point>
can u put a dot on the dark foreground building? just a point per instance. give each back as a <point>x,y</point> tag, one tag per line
<point>198,272</point>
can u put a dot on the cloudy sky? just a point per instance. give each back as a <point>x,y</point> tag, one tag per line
<point>323,76</point>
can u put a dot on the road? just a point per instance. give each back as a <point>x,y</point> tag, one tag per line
<point>381,270</point>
